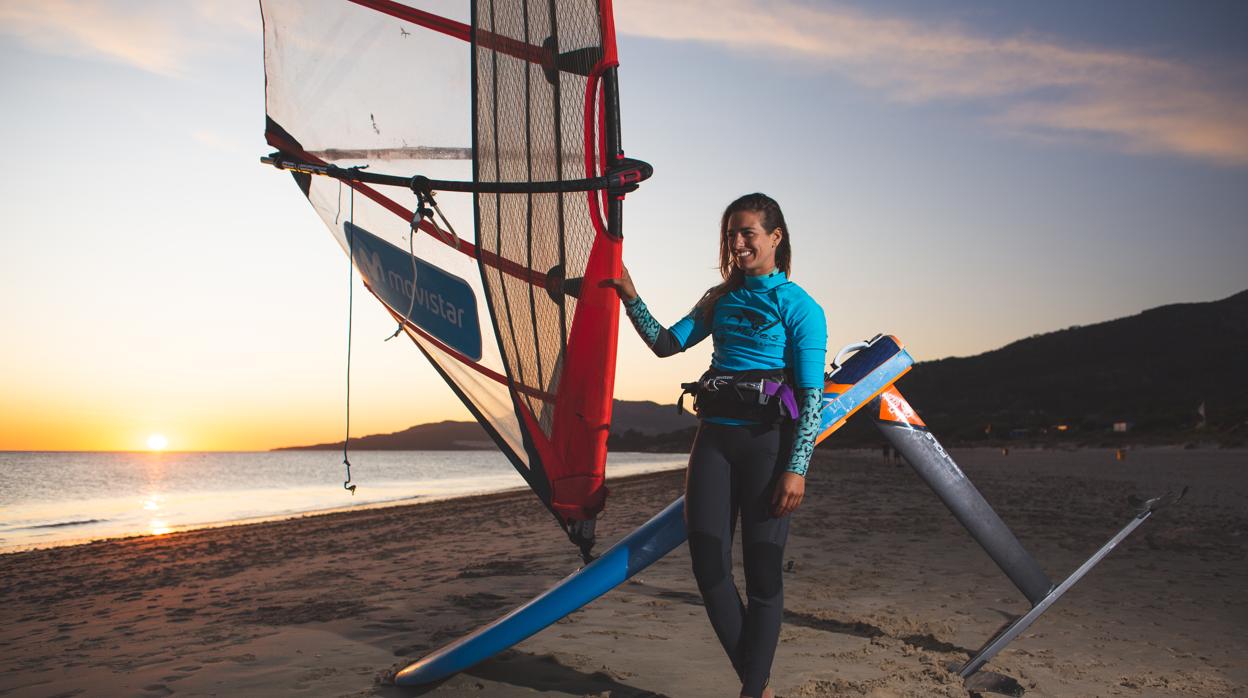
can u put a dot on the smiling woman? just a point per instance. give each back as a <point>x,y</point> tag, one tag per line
<point>157,442</point>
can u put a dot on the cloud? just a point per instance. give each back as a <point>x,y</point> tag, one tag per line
<point>157,37</point>
<point>1028,85</point>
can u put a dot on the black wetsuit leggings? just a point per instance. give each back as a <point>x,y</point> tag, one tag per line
<point>732,470</point>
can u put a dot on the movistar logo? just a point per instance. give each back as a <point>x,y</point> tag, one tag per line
<point>434,300</point>
<point>405,285</point>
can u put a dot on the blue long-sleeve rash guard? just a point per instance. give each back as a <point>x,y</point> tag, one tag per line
<point>769,323</point>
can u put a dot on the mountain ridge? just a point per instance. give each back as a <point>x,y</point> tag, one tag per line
<point>1151,370</point>
<point>639,419</point>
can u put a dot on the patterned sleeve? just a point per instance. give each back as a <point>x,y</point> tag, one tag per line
<point>808,337</point>
<point>660,340</point>
<point>810,402</point>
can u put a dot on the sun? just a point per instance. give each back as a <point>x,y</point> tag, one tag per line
<point>157,442</point>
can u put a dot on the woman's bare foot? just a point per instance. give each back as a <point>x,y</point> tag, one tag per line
<point>767,693</point>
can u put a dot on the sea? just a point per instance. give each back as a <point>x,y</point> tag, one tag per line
<point>62,498</point>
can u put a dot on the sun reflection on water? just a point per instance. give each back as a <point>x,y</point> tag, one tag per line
<point>155,527</point>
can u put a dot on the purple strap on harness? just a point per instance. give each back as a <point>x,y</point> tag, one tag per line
<point>788,403</point>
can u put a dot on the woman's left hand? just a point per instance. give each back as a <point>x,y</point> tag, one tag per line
<point>790,489</point>
<point>623,284</point>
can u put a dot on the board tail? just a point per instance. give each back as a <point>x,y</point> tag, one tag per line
<point>907,432</point>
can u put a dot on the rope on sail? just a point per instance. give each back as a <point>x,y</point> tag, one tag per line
<point>346,460</point>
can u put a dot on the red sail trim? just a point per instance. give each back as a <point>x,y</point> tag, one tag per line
<point>574,496</point>
<point>488,373</point>
<point>604,157</point>
<point>609,55</point>
<point>428,20</point>
<point>582,418</point>
<point>595,98</point>
<point>536,278</point>
<point>461,31</point>
<point>591,92</point>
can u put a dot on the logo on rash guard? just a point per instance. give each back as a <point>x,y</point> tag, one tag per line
<point>757,321</point>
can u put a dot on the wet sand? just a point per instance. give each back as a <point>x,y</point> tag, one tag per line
<point>884,592</point>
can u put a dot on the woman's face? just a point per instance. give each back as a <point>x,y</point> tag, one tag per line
<point>753,248</point>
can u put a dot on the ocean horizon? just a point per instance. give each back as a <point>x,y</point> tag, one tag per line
<point>55,498</point>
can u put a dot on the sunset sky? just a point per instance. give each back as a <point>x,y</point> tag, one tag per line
<point>958,174</point>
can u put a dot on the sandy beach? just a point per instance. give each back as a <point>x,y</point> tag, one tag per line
<point>884,591</point>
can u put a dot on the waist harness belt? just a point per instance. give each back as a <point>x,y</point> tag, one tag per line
<point>763,396</point>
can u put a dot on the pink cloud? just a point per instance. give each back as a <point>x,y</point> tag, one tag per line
<point>157,37</point>
<point>1029,85</point>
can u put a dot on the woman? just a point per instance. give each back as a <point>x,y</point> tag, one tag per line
<point>759,409</point>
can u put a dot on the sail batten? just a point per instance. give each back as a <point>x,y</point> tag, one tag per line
<point>424,152</point>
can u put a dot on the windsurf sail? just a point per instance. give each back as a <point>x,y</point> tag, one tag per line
<point>507,112</point>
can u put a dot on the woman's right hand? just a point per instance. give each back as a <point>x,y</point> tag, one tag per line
<point>623,285</point>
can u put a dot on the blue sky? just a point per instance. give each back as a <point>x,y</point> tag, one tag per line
<point>961,175</point>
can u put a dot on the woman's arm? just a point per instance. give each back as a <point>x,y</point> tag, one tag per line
<point>809,403</point>
<point>791,486</point>
<point>808,335</point>
<point>662,341</point>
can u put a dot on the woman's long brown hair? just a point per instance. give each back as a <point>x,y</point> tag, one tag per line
<point>734,278</point>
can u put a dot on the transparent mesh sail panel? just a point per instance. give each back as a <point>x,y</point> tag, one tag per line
<point>531,127</point>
